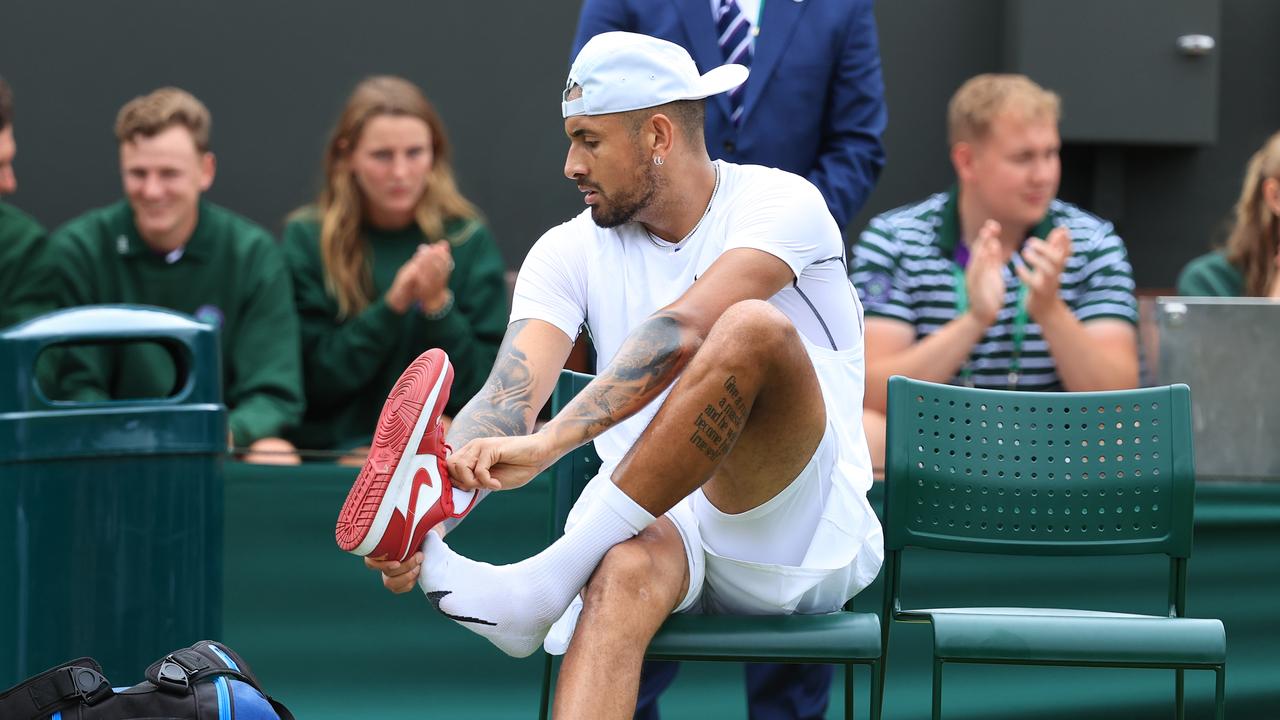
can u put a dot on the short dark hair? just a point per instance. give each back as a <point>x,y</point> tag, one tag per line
<point>6,104</point>
<point>689,115</point>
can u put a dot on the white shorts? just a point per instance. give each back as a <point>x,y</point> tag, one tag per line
<point>803,551</point>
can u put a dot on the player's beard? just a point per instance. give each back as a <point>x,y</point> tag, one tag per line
<point>623,207</point>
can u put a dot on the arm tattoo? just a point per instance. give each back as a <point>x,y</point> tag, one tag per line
<point>648,362</point>
<point>504,406</point>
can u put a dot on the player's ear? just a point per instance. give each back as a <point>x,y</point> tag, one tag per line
<point>661,135</point>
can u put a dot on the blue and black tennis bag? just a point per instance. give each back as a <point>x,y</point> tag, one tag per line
<point>207,681</point>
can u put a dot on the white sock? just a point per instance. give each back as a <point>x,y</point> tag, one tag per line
<point>561,632</point>
<point>514,605</point>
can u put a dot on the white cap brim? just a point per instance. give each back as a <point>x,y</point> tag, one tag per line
<point>722,79</point>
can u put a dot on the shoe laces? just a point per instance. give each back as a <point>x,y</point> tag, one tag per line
<point>446,450</point>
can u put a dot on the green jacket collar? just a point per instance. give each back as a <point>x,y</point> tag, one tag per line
<point>130,244</point>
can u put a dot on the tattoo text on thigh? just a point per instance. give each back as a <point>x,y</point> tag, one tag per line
<point>717,426</point>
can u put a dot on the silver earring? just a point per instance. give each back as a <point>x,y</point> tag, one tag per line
<point>657,160</point>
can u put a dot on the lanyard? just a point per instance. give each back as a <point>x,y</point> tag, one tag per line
<point>1019,328</point>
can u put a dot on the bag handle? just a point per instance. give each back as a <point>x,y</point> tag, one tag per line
<point>80,680</point>
<point>180,669</point>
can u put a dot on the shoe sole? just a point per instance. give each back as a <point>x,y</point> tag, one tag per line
<point>385,480</point>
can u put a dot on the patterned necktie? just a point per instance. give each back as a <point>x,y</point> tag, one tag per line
<point>735,44</point>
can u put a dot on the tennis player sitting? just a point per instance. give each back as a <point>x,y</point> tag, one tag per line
<point>726,409</point>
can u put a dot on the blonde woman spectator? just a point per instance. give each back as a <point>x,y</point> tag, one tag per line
<point>391,260</point>
<point>1250,262</point>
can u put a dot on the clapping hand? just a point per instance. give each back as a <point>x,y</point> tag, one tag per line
<point>1041,269</point>
<point>405,288</point>
<point>982,278</point>
<point>435,266</point>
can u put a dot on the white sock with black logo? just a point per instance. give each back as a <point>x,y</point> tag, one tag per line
<point>514,605</point>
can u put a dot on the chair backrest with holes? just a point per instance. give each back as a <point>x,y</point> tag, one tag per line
<point>1039,473</point>
<point>572,473</point>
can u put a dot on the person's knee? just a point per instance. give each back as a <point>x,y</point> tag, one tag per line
<point>623,577</point>
<point>752,327</point>
<point>631,578</point>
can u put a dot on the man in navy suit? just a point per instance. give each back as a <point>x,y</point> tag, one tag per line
<point>814,102</point>
<point>812,105</point>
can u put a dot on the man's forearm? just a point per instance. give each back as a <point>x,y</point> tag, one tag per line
<point>1083,362</point>
<point>936,358</point>
<point>504,405</point>
<point>647,363</point>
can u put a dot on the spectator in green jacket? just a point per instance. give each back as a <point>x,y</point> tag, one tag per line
<point>390,260</point>
<point>23,280</point>
<point>164,245</point>
<point>1250,262</point>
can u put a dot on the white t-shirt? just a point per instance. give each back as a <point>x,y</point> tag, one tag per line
<point>614,279</point>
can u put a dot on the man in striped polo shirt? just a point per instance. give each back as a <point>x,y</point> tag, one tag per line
<point>996,283</point>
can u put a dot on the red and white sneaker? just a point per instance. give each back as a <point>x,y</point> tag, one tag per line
<point>403,490</point>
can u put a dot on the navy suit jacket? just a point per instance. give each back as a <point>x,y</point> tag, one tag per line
<point>814,102</point>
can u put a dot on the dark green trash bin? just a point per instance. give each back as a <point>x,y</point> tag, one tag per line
<point>110,511</point>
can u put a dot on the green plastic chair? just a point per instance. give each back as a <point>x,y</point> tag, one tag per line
<point>842,638</point>
<point>1026,473</point>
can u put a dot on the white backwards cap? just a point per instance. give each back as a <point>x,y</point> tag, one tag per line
<point>622,71</point>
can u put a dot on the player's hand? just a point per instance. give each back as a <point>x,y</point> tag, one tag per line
<point>398,577</point>
<point>404,287</point>
<point>1044,261</point>
<point>982,277</point>
<point>499,463</point>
